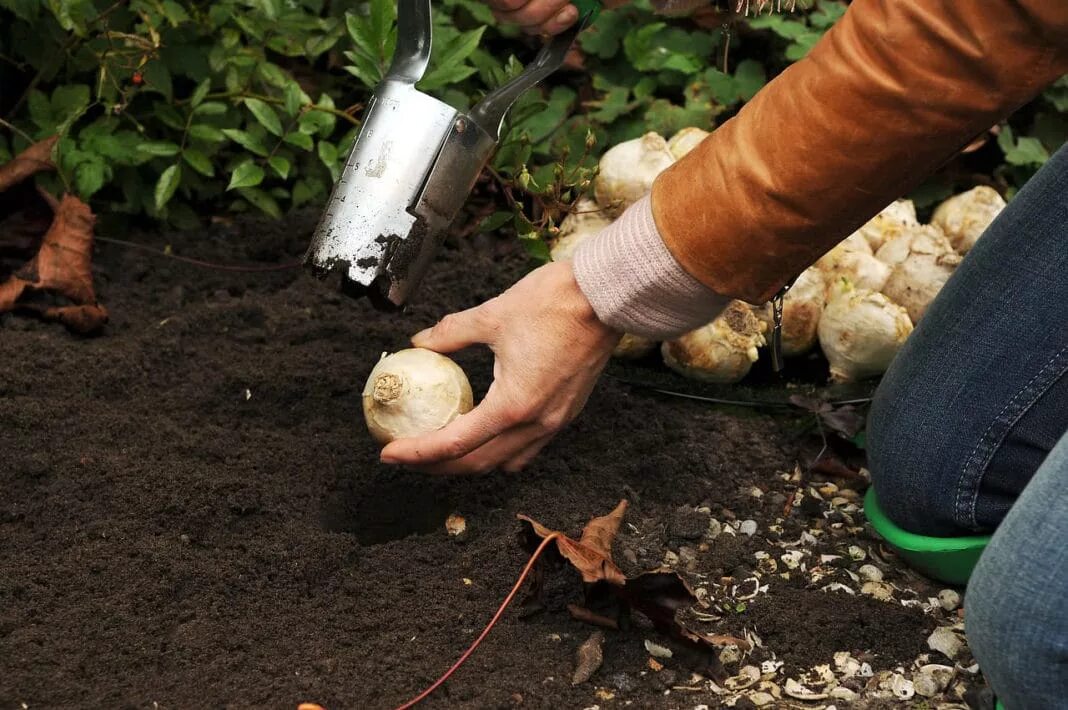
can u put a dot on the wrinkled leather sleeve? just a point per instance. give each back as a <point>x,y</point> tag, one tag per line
<point>890,93</point>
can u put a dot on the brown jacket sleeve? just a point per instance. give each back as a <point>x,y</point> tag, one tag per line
<point>890,93</point>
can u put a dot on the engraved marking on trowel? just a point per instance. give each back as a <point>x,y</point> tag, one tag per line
<point>377,166</point>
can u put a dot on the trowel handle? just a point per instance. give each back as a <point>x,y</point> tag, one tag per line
<point>412,54</point>
<point>489,113</point>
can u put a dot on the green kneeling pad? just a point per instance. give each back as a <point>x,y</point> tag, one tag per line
<point>946,559</point>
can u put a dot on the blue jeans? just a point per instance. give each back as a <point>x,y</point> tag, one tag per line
<point>967,435</point>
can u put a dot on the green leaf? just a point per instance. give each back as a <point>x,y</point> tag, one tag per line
<point>450,65</point>
<point>314,121</point>
<point>265,115</point>
<point>1025,151</point>
<point>206,133</point>
<point>168,115</point>
<point>174,12</point>
<point>328,154</point>
<point>494,222</point>
<point>26,10</point>
<point>294,98</point>
<point>273,74</point>
<point>602,39</point>
<point>211,108</point>
<point>247,174</point>
<point>168,183</point>
<point>1028,151</point>
<point>200,92</point>
<point>41,111</point>
<point>536,248</point>
<point>300,140</point>
<point>749,78</point>
<point>69,100</point>
<point>246,140</point>
<point>158,78</point>
<point>262,201</point>
<point>163,149</point>
<point>198,161</point>
<point>90,176</point>
<point>280,165</point>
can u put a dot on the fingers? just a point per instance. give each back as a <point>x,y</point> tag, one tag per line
<point>457,439</point>
<point>518,462</point>
<point>456,331</point>
<point>538,16</point>
<point>494,454</point>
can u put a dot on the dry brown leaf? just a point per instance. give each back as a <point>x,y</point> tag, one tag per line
<point>36,158</point>
<point>658,594</point>
<point>591,554</point>
<point>61,269</point>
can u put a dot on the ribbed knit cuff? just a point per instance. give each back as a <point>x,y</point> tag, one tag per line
<point>634,283</point>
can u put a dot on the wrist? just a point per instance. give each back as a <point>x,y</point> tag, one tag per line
<point>635,285</point>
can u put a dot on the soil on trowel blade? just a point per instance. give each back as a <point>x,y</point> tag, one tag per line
<point>194,516</point>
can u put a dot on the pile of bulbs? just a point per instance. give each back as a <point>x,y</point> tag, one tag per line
<point>859,302</point>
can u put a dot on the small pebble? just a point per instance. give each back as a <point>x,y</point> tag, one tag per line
<point>730,654</point>
<point>870,573</point>
<point>945,642</point>
<point>748,527</point>
<point>932,679</point>
<point>843,693</point>
<point>687,557</point>
<point>902,687</point>
<point>760,699</point>
<point>878,590</point>
<point>949,599</point>
<point>857,553</point>
<point>656,650</point>
<point>714,529</point>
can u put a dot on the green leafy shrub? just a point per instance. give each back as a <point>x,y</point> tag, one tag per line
<point>180,109</point>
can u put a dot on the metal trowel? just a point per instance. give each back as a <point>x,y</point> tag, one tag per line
<point>412,167</point>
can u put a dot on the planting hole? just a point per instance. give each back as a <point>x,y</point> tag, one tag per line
<point>386,509</point>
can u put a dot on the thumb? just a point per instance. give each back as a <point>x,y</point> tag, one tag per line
<point>455,332</point>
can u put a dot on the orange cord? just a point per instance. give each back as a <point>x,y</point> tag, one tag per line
<point>507,600</point>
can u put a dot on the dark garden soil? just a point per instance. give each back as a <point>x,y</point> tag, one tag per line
<point>192,514</point>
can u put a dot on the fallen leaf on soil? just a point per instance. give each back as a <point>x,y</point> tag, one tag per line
<point>35,159</point>
<point>591,554</point>
<point>61,269</point>
<point>658,594</point>
<point>588,658</point>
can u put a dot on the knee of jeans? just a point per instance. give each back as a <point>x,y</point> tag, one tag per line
<point>905,473</point>
<point>1020,656</point>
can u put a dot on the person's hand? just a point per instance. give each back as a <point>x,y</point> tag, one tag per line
<point>549,350</point>
<point>538,17</point>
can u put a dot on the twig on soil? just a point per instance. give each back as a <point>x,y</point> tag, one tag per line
<point>198,262</point>
<point>581,613</point>
<point>485,632</point>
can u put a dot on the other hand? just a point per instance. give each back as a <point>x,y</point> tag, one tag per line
<point>549,349</point>
<point>548,17</point>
